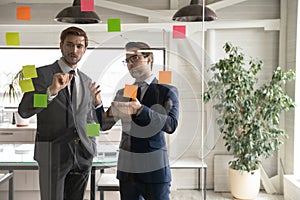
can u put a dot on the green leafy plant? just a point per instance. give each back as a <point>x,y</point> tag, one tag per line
<point>13,91</point>
<point>248,116</point>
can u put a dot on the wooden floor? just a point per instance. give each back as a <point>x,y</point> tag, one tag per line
<point>197,195</point>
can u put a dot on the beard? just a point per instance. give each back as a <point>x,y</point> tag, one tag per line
<point>138,72</point>
<point>71,59</point>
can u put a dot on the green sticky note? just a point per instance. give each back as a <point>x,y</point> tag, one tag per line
<point>12,39</point>
<point>113,25</point>
<point>26,85</point>
<point>29,71</point>
<point>93,129</point>
<point>40,100</point>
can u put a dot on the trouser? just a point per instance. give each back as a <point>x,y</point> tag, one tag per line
<point>133,189</point>
<point>64,170</point>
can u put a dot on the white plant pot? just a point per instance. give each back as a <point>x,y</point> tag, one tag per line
<point>244,185</point>
<point>21,122</point>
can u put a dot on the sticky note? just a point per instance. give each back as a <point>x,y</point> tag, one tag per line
<point>40,100</point>
<point>93,129</point>
<point>130,91</point>
<point>12,39</point>
<point>23,13</point>
<point>29,71</point>
<point>113,25</point>
<point>26,85</point>
<point>165,77</point>
<point>179,31</point>
<point>87,5</point>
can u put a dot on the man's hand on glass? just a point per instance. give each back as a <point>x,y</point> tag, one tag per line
<point>59,82</point>
<point>95,92</point>
<point>123,109</point>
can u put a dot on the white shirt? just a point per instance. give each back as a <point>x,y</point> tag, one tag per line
<point>145,87</point>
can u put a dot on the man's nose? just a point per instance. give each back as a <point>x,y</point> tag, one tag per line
<point>130,63</point>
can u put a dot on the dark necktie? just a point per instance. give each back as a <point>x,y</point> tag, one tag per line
<point>139,91</point>
<point>72,83</point>
<point>138,96</point>
<point>70,103</point>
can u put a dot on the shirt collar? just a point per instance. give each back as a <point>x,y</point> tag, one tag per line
<point>149,79</point>
<point>64,67</point>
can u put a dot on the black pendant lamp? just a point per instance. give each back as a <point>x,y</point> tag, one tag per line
<point>73,14</point>
<point>193,13</point>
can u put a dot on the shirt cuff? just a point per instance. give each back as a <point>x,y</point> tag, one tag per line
<point>99,106</point>
<point>139,110</point>
<point>50,98</point>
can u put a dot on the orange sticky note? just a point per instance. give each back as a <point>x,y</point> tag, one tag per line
<point>87,5</point>
<point>130,91</point>
<point>179,31</point>
<point>165,77</point>
<point>23,13</point>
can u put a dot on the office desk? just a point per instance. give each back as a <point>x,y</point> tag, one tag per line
<point>20,157</point>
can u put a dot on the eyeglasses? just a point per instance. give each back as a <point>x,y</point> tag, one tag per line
<point>133,59</point>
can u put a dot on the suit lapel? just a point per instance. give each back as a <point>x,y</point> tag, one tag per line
<point>150,91</point>
<point>81,98</point>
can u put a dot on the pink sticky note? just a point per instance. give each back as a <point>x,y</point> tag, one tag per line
<point>87,5</point>
<point>179,31</point>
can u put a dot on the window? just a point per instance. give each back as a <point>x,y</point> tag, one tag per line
<point>103,65</point>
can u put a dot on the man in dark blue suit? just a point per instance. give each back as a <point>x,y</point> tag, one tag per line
<point>143,164</point>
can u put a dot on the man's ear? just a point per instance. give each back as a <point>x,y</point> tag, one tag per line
<point>150,59</point>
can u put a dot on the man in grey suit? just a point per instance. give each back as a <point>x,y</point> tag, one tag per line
<point>63,149</point>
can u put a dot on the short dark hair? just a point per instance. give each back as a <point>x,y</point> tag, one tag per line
<point>140,46</point>
<point>73,31</point>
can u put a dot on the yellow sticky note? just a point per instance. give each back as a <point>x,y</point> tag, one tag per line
<point>165,77</point>
<point>93,130</point>
<point>29,71</point>
<point>130,91</point>
<point>23,13</point>
<point>26,85</point>
<point>12,39</point>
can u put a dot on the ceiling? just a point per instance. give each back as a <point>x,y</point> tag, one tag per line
<point>186,2</point>
<point>125,4</point>
<point>154,10</point>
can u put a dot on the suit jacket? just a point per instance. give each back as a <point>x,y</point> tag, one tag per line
<point>58,122</point>
<point>143,151</point>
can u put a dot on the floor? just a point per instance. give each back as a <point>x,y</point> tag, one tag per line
<point>211,195</point>
<point>197,195</point>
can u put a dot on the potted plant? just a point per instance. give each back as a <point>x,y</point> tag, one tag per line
<point>13,91</point>
<point>12,94</point>
<point>248,115</point>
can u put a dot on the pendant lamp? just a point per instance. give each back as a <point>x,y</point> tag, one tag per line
<point>193,13</point>
<point>73,14</point>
